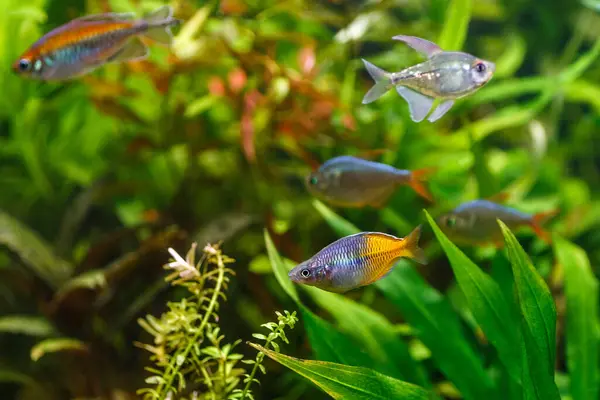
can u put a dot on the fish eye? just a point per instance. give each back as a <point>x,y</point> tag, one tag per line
<point>305,273</point>
<point>314,180</point>
<point>451,221</point>
<point>480,67</point>
<point>24,65</point>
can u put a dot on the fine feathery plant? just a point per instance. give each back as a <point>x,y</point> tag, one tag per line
<point>189,356</point>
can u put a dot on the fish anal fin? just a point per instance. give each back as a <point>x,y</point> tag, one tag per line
<point>441,110</point>
<point>538,220</point>
<point>418,104</point>
<point>132,51</point>
<point>425,47</point>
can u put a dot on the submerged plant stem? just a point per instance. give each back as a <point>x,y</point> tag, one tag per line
<point>173,368</point>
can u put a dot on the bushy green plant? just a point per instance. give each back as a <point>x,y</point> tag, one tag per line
<point>187,349</point>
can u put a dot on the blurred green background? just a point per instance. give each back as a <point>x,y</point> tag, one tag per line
<point>210,141</point>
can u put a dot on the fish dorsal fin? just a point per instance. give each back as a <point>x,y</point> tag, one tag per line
<point>105,17</point>
<point>418,104</point>
<point>423,46</point>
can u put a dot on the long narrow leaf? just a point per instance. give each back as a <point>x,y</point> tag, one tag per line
<point>454,33</point>
<point>486,301</point>
<point>438,327</point>
<point>581,287</point>
<point>346,382</point>
<point>539,321</point>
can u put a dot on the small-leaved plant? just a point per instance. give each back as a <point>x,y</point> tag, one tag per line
<point>189,356</point>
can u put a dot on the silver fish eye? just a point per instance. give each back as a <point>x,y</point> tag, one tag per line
<point>305,273</point>
<point>24,65</point>
<point>480,67</point>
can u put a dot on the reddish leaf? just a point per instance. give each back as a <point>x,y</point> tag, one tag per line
<point>349,122</point>
<point>216,86</point>
<point>237,80</point>
<point>307,60</point>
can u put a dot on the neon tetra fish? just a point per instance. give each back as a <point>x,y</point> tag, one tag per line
<point>446,75</point>
<point>475,222</point>
<point>357,260</point>
<point>86,43</point>
<point>353,182</point>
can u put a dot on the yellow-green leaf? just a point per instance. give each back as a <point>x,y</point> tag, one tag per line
<point>581,287</point>
<point>56,345</point>
<point>347,382</point>
<point>26,324</point>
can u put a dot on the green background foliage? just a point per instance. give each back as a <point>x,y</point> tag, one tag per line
<point>211,140</point>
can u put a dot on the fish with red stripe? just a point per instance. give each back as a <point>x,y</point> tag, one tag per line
<point>86,43</point>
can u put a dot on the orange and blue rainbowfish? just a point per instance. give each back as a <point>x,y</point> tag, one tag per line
<point>86,43</point>
<point>474,222</point>
<point>353,182</point>
<point>357,260</point>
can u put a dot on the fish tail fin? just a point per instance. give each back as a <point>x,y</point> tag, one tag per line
<point>159,23</point>
<point>538,220</point>
<point>383,82</point>
<point>416,182</point>
<point>411,247</point>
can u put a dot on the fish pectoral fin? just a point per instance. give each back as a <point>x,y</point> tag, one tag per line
<point>441,110</point>
<point>423,46</point>
<point>132,51</point>
<point>418,104</point>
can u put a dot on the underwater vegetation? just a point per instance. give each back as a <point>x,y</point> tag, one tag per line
<point>195,203</point>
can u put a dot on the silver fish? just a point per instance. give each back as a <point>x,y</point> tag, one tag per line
<point>446,75</point>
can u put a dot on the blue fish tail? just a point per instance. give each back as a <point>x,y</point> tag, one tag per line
<point>159,23</point>
<point>383,82</point>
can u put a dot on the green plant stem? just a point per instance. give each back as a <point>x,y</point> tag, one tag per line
<point>251,377</point>
<point>173,368</point>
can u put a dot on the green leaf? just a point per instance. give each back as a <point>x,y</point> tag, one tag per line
<point>375,334</point>
<point>538,324</point>
<point>330,344</point>
<point>486,301</point>
<point>33,251</point>
<point>454,33</point>
<point>337,223</point>
<point>88,280</point>
<point>436,324</point>
<point>581,288</point>
<point>279,269</point>
<point>346,382</point>
<point>55,345</point>
<point>26,324</point>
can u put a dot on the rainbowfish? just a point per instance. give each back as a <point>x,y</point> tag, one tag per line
<point>475,222</point>
<point>86,43</point>
<point>446,75</point>
<point>357,260</point>
<point>353,182</point>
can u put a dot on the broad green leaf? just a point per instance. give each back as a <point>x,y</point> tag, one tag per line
<point>454,33</point>
<point>330,344</point>
<point>432,319</point>
<point>337,223</point>
<point>374,333</point>
<point>279,269</point>
<point>581,287</point>
<point>26,324</point>
<point>347,382</point>
<point>56,345</point>
<point>33,251</point>
<point>486,301</point>
<point>538,322</point>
